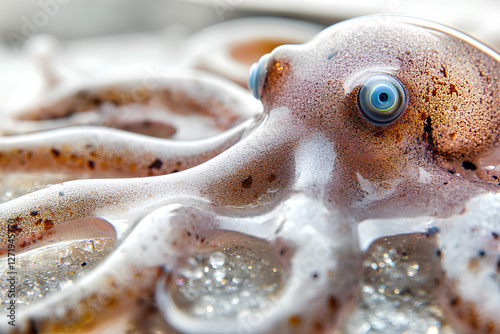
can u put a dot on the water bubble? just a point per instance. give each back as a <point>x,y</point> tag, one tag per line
<point>217,260</point>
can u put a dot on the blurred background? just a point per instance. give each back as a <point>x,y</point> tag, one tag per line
<point>71,38</point>
<point>70,19</point>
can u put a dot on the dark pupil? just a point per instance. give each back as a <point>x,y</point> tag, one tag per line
<point>382,97</point>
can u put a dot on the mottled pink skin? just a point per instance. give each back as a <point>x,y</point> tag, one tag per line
<point>318,82</point>
<point>309,96</point>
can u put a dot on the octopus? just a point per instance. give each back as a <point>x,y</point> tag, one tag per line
<point>378,126</point>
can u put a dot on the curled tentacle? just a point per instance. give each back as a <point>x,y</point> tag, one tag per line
<point>111,286</point>
<point>321,258</point>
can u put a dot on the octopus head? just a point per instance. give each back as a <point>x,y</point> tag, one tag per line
<point>385,89</point>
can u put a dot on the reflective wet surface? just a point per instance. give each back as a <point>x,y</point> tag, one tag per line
<point>261,225</point>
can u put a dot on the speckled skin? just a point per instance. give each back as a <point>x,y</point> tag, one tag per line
<point>310,146</point>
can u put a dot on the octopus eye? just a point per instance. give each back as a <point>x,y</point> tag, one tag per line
<point>382,99</point>
<point>257,75</point>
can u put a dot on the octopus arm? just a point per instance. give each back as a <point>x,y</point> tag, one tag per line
<point>240,176</point>
<point>106,151</point>
<point>101,293</point>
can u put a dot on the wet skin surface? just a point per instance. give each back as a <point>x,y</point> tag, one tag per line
<point>314,151</point>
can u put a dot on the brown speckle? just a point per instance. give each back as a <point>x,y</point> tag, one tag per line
<point>455,301</point>
<point>91,164</point>
<point>271,178</point>
<point>48,224</point>
<point>453,89</point>
<point>495,235</point>
<point>247,183</point>
<point>333,304</point>
<point>55,153</point>
<point>295,320</point>
<point>83,264</point>
<point>34,213</point>
<point>468,165</point>
<point>32,326</point>
<point>39,221</point>
<point>156,164</point>
<point>318,327</point>
<point>14,228</point>
<point>428,125</point>
<point>398,137</point>
<point>443,71</point>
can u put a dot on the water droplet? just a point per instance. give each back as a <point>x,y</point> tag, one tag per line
<point>219,274</point>
<point>217,260</point>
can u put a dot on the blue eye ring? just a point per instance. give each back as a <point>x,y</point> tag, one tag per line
<point>257,75</point>
<point>382,99</point>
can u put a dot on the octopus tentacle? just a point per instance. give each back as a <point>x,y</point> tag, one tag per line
<point>105,151</point>
<point>101,293</point>
<point>316,254</point>
<point>234,183</point>
<point>313,255</point>
<point>469,250</point>
<point>139,101</point>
